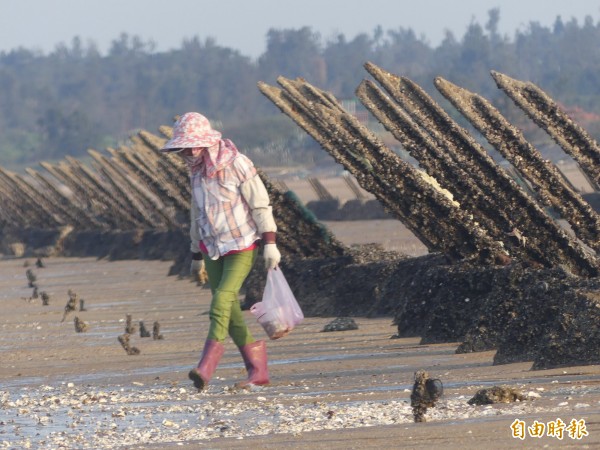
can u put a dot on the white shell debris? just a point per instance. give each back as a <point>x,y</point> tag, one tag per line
<point>129,416</point>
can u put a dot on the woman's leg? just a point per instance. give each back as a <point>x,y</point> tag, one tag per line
<point>214,270</point>
<point>226,276</point>
<point>238,330</point>
<point>213,349</point>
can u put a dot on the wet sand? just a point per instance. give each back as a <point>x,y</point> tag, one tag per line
<point>350,389</point>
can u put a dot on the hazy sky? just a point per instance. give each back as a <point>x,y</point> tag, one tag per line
<point>243,24</point>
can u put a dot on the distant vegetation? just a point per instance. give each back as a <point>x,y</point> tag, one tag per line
<point>75,98</point>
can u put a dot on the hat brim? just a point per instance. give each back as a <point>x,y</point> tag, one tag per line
<point>180,142</point>
<point>171,150</point>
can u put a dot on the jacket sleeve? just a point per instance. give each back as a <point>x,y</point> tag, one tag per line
<point>194,232</point>
<point>255,193</point>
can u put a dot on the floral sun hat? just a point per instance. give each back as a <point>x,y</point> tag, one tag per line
<point>191,130</point>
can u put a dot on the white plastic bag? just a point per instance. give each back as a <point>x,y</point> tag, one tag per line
<point>278,312</point>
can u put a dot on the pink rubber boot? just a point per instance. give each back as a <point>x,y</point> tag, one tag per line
<point>255,359</point>
<point>211,355</point>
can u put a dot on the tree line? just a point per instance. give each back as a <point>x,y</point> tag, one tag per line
<point>75,98</point>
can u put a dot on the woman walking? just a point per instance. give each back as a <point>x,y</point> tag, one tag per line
<point>231,217</point>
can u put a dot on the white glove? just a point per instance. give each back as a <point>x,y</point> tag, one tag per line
<point>271,256</point>
<point>195,267</point>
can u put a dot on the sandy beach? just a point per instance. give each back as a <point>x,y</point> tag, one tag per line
<point>350,389</point>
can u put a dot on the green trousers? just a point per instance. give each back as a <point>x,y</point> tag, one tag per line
<point>226,276</point>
